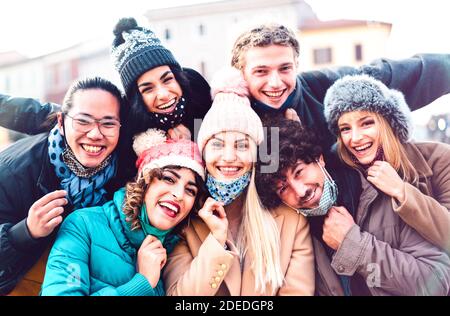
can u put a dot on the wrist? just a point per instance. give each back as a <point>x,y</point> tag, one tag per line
<point>27,225</point>
<point>220,237</point>
<point>400,195</point>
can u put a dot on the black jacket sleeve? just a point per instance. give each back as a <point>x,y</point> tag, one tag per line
<point>18,250</point>
<point>422,78</point>
<point>25,115</point>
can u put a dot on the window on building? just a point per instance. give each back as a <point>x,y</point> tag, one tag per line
<point>358,52</point>
<point>167,34</point>
<point>322,55</point>
<point>201,29</point>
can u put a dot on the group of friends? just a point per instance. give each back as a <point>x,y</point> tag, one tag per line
<point>116,193</point>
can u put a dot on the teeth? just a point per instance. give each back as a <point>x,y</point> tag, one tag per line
<point>169,206</point>
<point>229,169</point>
<point>167,105</point>
<point>274,94</point>
<point>92,149</point>
<point>363,147</point>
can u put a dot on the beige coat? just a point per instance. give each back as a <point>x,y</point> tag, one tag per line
<point>199,265</point>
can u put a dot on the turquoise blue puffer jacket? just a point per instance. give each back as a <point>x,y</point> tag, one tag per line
<point>95,253</point>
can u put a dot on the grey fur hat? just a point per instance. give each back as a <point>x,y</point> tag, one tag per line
<point>364,93</point>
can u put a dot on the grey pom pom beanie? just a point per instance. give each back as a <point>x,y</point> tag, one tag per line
<point>136,50</point>
<point>364,93</point>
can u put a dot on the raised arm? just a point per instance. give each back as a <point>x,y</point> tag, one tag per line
<point>24,115</point>
<point>422,78</point>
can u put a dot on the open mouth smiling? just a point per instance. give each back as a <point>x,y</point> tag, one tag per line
<point>167,105</point>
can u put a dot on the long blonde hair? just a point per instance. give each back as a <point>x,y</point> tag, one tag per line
<point>394,151</point>
<point>259,235</point>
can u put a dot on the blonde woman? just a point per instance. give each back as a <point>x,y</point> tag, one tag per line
<point>405,192</point>
<point>236,247</point>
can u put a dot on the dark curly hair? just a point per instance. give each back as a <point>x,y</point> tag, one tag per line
<point>135,193</point>
<point>295,143</point>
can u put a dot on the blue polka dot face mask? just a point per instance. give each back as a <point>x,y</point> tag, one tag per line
<point>227,192</point>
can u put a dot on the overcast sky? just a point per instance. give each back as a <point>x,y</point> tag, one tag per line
<point>35,27</point>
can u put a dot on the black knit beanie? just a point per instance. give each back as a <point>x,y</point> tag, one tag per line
<point>136,50</point>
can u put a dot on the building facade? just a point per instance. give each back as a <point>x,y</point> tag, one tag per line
<point>342,42</point>
<point>201,36</point>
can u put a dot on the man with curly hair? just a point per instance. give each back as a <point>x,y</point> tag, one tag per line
<point>314,183</point>
<point>304,167</point>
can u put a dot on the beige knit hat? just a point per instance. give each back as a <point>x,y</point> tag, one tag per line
<point>230,110</point>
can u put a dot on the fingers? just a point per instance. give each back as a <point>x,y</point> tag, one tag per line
<point>210,206</point>
<point>378,163</point>
<point>53,223</point>
<point>291,114</point>
<point>154,245</point>
<point>172,134</point>
<point>52,214</point>
<point>148,240</point>
<point>208,210</point>
<point>42,210</point>
<point>163,262</point>
<point>46,199</point>
<point>221,211</point>
<point>183,132</point>
<point>179,132</point>
<point>342,211</point>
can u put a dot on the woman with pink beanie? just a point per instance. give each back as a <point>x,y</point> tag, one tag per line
<point>236,247</point>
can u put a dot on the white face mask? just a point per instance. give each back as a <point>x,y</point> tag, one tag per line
<point>327,200</point>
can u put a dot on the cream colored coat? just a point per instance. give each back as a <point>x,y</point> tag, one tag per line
<point>199,265</point>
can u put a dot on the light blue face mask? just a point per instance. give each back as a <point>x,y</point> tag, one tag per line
<point>227,192</point>
<point>327,200</point>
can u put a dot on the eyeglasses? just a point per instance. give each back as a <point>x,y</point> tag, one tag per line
<point>84,124</point>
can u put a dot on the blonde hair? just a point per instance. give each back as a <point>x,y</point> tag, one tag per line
<point>259,235</point>
<point>394,151</point>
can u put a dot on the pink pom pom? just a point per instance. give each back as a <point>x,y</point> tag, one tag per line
<point>229,80</point>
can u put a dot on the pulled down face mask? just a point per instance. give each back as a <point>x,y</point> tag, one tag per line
<point>227,192</point>
<point>327,200</point>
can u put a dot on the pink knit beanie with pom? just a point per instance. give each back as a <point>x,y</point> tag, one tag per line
<point>230,110</point>
<point>154,150</point>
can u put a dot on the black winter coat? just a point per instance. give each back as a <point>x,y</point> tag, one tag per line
<point>421,78</point>
<point>25,176</point>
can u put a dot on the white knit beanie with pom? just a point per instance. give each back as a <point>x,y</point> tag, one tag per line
<point>230,110</point>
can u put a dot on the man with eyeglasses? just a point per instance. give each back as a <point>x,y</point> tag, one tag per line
<point>46,176</point>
